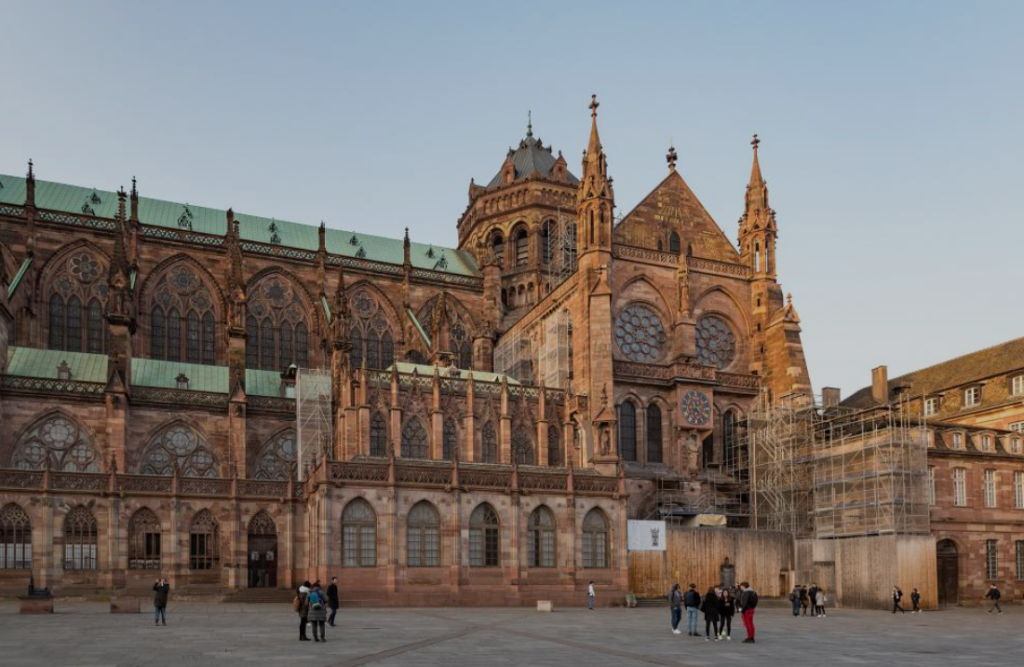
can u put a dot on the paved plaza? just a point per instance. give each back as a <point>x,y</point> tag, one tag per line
<point>84,634</point>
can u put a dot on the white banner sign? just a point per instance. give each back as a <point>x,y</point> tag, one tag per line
<point>647,535</point>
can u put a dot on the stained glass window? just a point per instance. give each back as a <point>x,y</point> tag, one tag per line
<point>640,334</point>
<point>450,439</point>
<point>370,332</point>
<point>716,343</point>
<point>522,447</point>
<point>76,301</point>
<point>359,535</point>
<point>627,431</point>
<point>182,316</point>
<point>97,330</point>
<point>415,444</point>
<point>276,460</point>
<point>68,446</point>
<point>488,444</point>
<point>554,446</point>
<point>378,436</point>
<point>181,444</point>
<point>484,531</point>
<point>654,444</point>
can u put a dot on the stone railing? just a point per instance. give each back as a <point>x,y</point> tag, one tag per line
<point>621,251</point>
<point>686,371</point>
<point>703,265</point>
<point>139,485</point>
<point>51,385</point>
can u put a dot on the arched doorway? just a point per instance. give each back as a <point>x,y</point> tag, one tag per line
<point>262,552</point>
<point>948,562</point>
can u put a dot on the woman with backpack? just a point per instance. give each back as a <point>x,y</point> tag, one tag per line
<point>301,606</point>
<point>318,612</point>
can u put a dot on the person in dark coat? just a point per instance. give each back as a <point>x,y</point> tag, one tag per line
<point>691,601</point>
<point>711,607</point>
<point>302,608</point>
<point>675,605</point>
<point>897,596</point>
<point>161,591</point>
<point>332,600</point>
<point>994,595</point>
<point>317,614</point>
<point>727,611</point>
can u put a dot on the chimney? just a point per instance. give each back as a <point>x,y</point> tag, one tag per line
<point>880,384</point>
<point>829,397</point>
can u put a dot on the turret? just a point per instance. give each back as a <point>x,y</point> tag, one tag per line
<point>757,225</point>
<point>595,199</point>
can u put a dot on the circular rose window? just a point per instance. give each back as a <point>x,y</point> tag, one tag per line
<point>716,343</point>
<point>640,333</point>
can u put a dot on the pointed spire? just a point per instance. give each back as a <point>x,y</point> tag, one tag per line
<point>671,158</point>
<point>755,170</point>
<point>529,124</point>
<point>594,146</point>
<point>134,202</point>
<point>31,174</point>
<point>323,237</point>
<point>30,186</point>
<point>407,247</point>
<point>235,268</point>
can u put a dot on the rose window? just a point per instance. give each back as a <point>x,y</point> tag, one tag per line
<point>640,334</point>
<point>716,343</point>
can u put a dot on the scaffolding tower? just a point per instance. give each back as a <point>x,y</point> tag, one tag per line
<point>313,417</point>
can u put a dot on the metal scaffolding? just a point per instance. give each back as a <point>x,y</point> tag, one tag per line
<point>313,416</point>
<point>837,472</point>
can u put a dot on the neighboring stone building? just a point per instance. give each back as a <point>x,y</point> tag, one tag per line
<point>491,407</point>
<point>973,407</point>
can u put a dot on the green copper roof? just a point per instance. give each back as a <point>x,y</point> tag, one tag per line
<point>103,204</point>
<point>33,363</point>
<point>262,383</point>
<point>419,327</point>
<point>12,288</point>
<point>164,375</point>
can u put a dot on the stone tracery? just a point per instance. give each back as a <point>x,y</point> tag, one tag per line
<point>61,439</point>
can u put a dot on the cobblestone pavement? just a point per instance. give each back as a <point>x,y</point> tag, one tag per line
<point>85,634</point>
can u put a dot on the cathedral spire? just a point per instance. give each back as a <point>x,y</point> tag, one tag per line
<point>118,282</point>
<point>134,202</point>
<point>595,199</point>
<point>757,189</point>
<point>529,124</point>
<point>757,224</point>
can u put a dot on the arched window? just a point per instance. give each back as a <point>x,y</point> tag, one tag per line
<point>81,537</point>
<point>203,542</point>
<point>450,439</point>
<point>488,444</point>
<point>438,313</point>
<point>279,316</point>
<point>522,247</point>
<point>595,539</point>
<point>179,443</point>
<point>423,536</point>
<point>415,444</point>
<point>554,446</point>
<point>484,542</point>
<point>540,536</point>
<point>522,447</point>
<point>378,435</point>
<point>654,443</point>
<point>498,246</point>
<point>734,456</point>
<point>370,332</point>
<point>569,247</point>
<point>627,431</point>
<point>68,446</point>
<point>252,337</point>
<point>182,313</point>
<point>144,541</point>
<point>276,460</point>
<point>673,243</point>
<point>359,535</point>
<point>15,538</point>
<point>76,301</point>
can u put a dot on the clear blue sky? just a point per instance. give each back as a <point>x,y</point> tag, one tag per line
<point>893,132</point>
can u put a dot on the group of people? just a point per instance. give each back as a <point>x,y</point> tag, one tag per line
<point>897,598</point>
<point>719,604</point>
<point>803,599</point>
<point>312,602</point>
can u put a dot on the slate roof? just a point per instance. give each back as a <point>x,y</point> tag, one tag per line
<point>532,157</point>
<point>161,213</point>
<point>990,362</point>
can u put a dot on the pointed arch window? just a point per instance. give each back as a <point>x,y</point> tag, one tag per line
<point>488,444</point>
<point>378,435</point>
<point>654,441</point>
<point>144,541</point>
<point>522,447</point>
<point>415,444</point>
<point>157,334</point>
<point>209,336</point>
<point>522,247</point>
<point>57,437</point>
<point>77,297</point>
<point>179,444</point>
<point>81,540</point>
<point>484,537</point>
<point>595,539</point>
<point>450,439</point>
<point>554,446</point>
<point>74,324</point>
<point>174,342</point>
<point>498,247</point>
<point>96,343</point>
<point>192,337</point>
<point>370,332</point>
<point>674,246</point>
<point>280,324</point>
<point>15,538</point>
<point>277,458</point>
<point>460,342</point>
<point>358,535</point>
<point>203,542</point>
<point>423,536</point>
<point>627,431</point>
<point>182,316</point>
<point>540,538</point>
<point>56,322</point>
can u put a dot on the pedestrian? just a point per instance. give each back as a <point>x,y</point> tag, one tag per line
<point>317,615</point>
<point>675,605</point>
<point>994,595</point>
<point>161,591</point>
<point>590,596</point>
<point>812,597</point>
<point>301,605</point>
<point>332,599</point>
<point>747,605</point>
<point>710,607</point>
<point>728,610</point>
<point>915,597</point>
<point>692,603</point>
<point>794,598</point>
<point>897,595</point>
<point>804,603</point>
<point>819,603</point>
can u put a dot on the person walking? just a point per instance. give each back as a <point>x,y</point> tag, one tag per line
<point>692,603</point>
<point>317,614</point>
<point>915,598</point>
<point>819,603</point>
<point>332,600</point>
<point>727,611</point>
<point>994,595</point>
<point>710,607</point>
<point>794,599</point>
<point>897,596</point>
<point>590,596</point>
<point>161,591</point>
<point>804,600</point>
<point>675,605</point>
<point>301,605</point>
<point>747,605</point>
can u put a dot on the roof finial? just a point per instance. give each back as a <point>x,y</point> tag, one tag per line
<point>31,174</point>
<point>754,142</point>
<point>529,124</point>
<point>593,105</point>
<point>135,192</point>
<point>671,157</point>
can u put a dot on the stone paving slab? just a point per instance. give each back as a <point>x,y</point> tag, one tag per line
<point>85,634</point>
